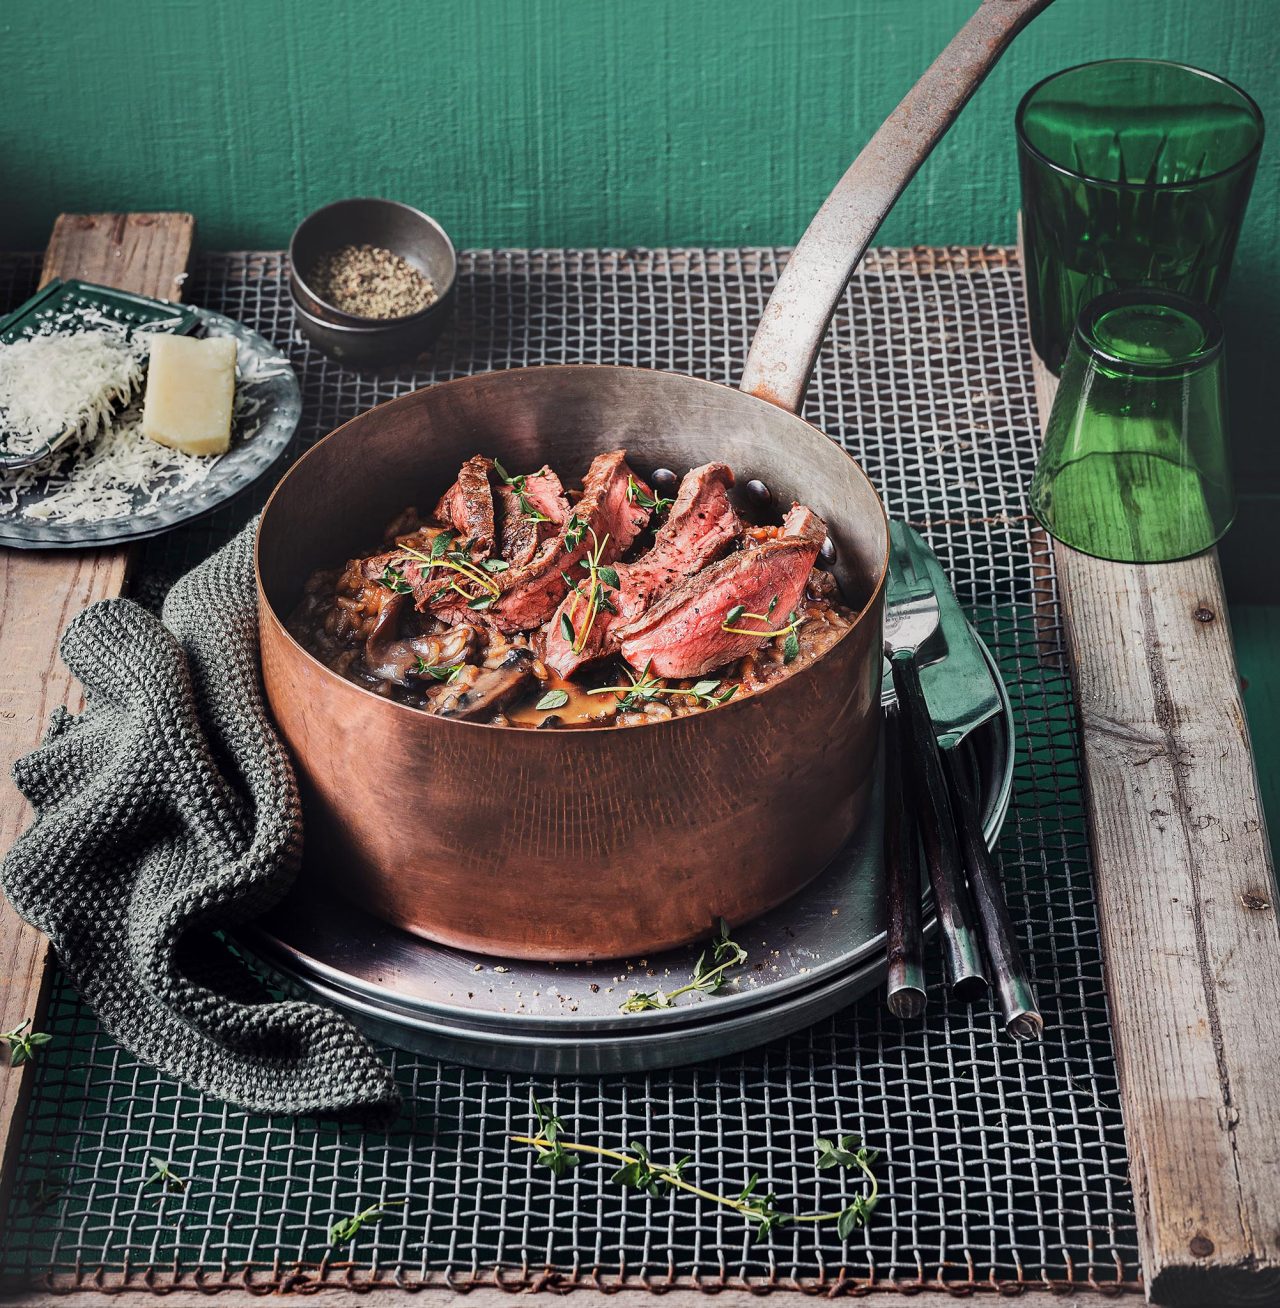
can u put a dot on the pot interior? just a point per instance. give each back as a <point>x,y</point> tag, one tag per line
<point>335,501</point>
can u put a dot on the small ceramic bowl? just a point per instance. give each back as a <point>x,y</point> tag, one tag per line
<point>414,236</point>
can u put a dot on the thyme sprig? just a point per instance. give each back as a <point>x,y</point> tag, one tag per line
<point>637,1170</point>
<point>444,554</point>
<point>599,575</point>
<point>24,1043</point>
<point>574,530</point>
<point>646,688</point>
<point>163,1175</point>
<point>346,1229</point>
<point>708,975</point>
<point>552,1152</point>
<point>393,579</point>
<point>636,494</point>
<point>439,671</point>
<point>518,484</point>
<point>739,614</point>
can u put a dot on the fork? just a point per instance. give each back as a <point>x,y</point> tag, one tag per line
<point>911,618</point>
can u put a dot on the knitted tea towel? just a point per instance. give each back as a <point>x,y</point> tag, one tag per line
<point>168,811</point>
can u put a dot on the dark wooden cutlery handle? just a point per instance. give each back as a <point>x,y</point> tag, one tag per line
<point>904,988</point>
<point>1013,986</point>
<point>961,949</point>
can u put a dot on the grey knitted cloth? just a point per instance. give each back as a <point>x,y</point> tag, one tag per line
<point>165,812</point>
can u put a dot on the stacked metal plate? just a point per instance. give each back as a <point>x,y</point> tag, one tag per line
<point>805,960</point>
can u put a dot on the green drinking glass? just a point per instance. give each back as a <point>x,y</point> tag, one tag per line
<point>1134,465</point>
<point>1134,172</point>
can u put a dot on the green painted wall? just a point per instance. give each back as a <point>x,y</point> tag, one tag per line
<point>593,122</point>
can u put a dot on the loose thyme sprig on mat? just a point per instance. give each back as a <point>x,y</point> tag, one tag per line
<point>708,975</point>
<point>163,1175</point>
<point>346,1229</point>
<point>638,1171</point>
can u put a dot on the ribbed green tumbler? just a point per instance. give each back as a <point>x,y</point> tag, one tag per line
<point>1135,465</point>
<point>1134,173</point>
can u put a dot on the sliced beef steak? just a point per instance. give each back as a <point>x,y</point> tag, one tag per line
<point>606,517</point>
<point>683,634</point>
<point>530,511</point>
<point>586,638</point>
<point>702,524</point>
<point>467,505</point>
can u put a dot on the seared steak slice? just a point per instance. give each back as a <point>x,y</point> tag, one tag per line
<point>683,634</point>
<point>606,516</point>
<point>546,495</point>
<point>702,524</point>
<point>467,505</point>
<point>531,510</point>
<point>596,642</point>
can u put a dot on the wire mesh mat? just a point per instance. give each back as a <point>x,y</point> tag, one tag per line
<point>1001,1164</point>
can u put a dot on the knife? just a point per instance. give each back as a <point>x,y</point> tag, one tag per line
<point>959,703</point>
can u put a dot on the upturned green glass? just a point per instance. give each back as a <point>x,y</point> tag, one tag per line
<point>1134,172</point>
<point>1134,465</point>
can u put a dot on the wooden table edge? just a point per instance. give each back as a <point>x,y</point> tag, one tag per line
<point>40,591</point>
<point>1186,895</point>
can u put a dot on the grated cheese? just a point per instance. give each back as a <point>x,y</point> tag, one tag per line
<point>123,474</point>
<point>60,382</point>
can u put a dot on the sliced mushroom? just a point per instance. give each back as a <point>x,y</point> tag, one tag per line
<point>488,690</point>
<point>399,661</point>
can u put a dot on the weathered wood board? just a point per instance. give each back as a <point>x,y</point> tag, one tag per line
<point>1187,904</point>
<point>40,591</point>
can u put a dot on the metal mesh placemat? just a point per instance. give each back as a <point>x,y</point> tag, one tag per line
<point>1002,1163</point>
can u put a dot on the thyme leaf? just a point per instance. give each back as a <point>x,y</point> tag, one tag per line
<point>553,699</point>
<point>574,530</point>
<point>440,671</point>
<point>738,614</point>
<point>346,1229</point>
<point>636,494</point>
<point>393,579</point>
<point>552,1153</point>
<point>24,1043</point>
<point>163,1175</point>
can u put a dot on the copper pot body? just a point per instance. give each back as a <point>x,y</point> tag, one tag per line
<point>623,840</point>
<point>585,843</point>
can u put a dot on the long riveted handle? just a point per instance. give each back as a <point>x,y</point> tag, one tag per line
<point>799,311</point>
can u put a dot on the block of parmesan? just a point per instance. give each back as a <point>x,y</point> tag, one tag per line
<point>191,386</point>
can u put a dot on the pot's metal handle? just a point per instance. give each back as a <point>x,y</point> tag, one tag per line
<point>799,311</point>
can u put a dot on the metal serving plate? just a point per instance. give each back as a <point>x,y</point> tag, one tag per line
<point>269,404</point>
<point>822,949</point>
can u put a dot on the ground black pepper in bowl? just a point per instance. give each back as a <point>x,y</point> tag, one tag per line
<point>370,282</point>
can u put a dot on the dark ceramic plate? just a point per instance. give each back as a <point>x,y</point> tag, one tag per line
<point>268,405</point>
<point>816,953</point>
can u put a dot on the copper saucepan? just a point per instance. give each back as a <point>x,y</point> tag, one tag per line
<point>625,840</point>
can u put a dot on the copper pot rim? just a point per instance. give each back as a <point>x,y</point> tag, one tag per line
<point>797,679</point>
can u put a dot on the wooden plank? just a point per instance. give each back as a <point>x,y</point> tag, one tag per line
<point>1187,905</point>
<point>40,591</point>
